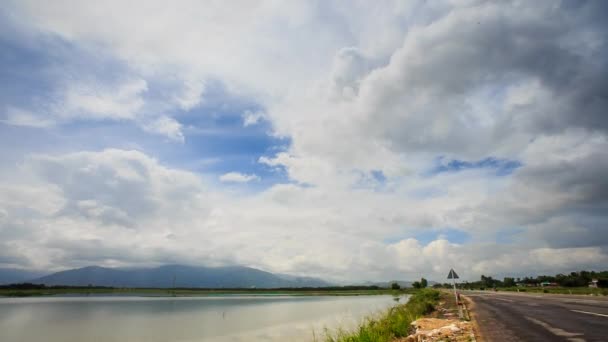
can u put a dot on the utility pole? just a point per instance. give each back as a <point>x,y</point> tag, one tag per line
<point>452,275</point>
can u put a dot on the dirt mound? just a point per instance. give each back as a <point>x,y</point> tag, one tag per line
<point>436,329</point>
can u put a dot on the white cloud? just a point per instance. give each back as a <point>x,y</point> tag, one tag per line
<point>21,117</point>
<point>90,100</point>
<point>165,126</point>
<point>117,207</point>
<point>236,177</point>
<point>252,118</point>
<point>357,89</point>
<point>97,101</point>
<point>191,94</point>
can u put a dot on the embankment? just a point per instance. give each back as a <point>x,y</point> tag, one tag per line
<point>429,315</point>
<point>395,323</point>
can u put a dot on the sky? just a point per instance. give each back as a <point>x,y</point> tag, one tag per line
<point>347,140</point>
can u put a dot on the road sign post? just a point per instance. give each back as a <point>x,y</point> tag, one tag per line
<point>452,275</point>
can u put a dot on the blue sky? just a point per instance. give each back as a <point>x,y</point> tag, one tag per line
<point>500,167</point>
<point>217,140</point>
<point>427,236</point>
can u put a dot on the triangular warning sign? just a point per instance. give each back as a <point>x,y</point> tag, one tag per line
<point>452,274</point>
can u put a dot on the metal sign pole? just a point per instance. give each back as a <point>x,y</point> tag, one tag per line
<point>452,275</point>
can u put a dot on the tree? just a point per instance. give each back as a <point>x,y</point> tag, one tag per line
<point>423,283</point>
<point>508,282</point>
<point>487,282</point>
<point>416,285</point>
<point>395,286</point>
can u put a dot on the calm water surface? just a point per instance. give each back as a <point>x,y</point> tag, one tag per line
<point>225,318</point>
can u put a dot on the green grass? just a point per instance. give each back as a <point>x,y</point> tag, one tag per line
<point>396,322</point>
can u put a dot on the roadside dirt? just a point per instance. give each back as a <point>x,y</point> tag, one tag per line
<point>470,311</point>
<point>442,324</point>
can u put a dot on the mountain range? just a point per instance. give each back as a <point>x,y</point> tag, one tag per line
<point>13,275</point>
<point>164,277</point>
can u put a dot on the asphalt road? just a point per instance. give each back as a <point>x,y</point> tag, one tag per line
<point>534,317</point>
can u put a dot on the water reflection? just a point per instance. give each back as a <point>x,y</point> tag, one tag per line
<point>229,318</point>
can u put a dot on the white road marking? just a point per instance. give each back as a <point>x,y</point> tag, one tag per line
<point>590,313</point>
<point>572,336</point>
<point>589,301</point>
<point>504,300</point>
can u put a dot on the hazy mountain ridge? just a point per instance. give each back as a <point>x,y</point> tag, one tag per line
<point>176,276</point>
<point>14,275</point>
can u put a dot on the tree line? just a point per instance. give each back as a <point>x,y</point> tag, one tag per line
<point>423,283</point>
<point>574,279</point>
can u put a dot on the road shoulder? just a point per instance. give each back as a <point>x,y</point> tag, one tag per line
<point>443,324</point>
<point>469,306</point>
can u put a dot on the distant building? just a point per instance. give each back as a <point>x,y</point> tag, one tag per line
<point>593,283</point>
<point>548,284</point>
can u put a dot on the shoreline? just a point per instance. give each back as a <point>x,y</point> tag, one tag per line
<point>162,292</point>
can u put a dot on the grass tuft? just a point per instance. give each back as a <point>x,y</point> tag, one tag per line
<point>396,322</point>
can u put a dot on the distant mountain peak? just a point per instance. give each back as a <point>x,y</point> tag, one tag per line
<point>176,275</point>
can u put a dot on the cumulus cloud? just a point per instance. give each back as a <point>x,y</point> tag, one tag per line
<point>469,84</point>
<point>86,100</point>
<point>372,100</point>
<point>166,126</point>
<point>349,67</point>
<point>93,101</point>
<point>252,118</point>
<point>96,102</point>
<point>236,177</point>
<point>120,207</point>
<point>191,94</point>
<point>21,117</point>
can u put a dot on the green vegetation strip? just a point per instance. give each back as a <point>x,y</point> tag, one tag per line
<point>394,323</point>
<point>37,290</point>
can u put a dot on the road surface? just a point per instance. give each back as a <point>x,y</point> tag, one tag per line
<point>535,317</point>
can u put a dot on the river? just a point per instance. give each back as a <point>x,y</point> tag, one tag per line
<point>214,318</point>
